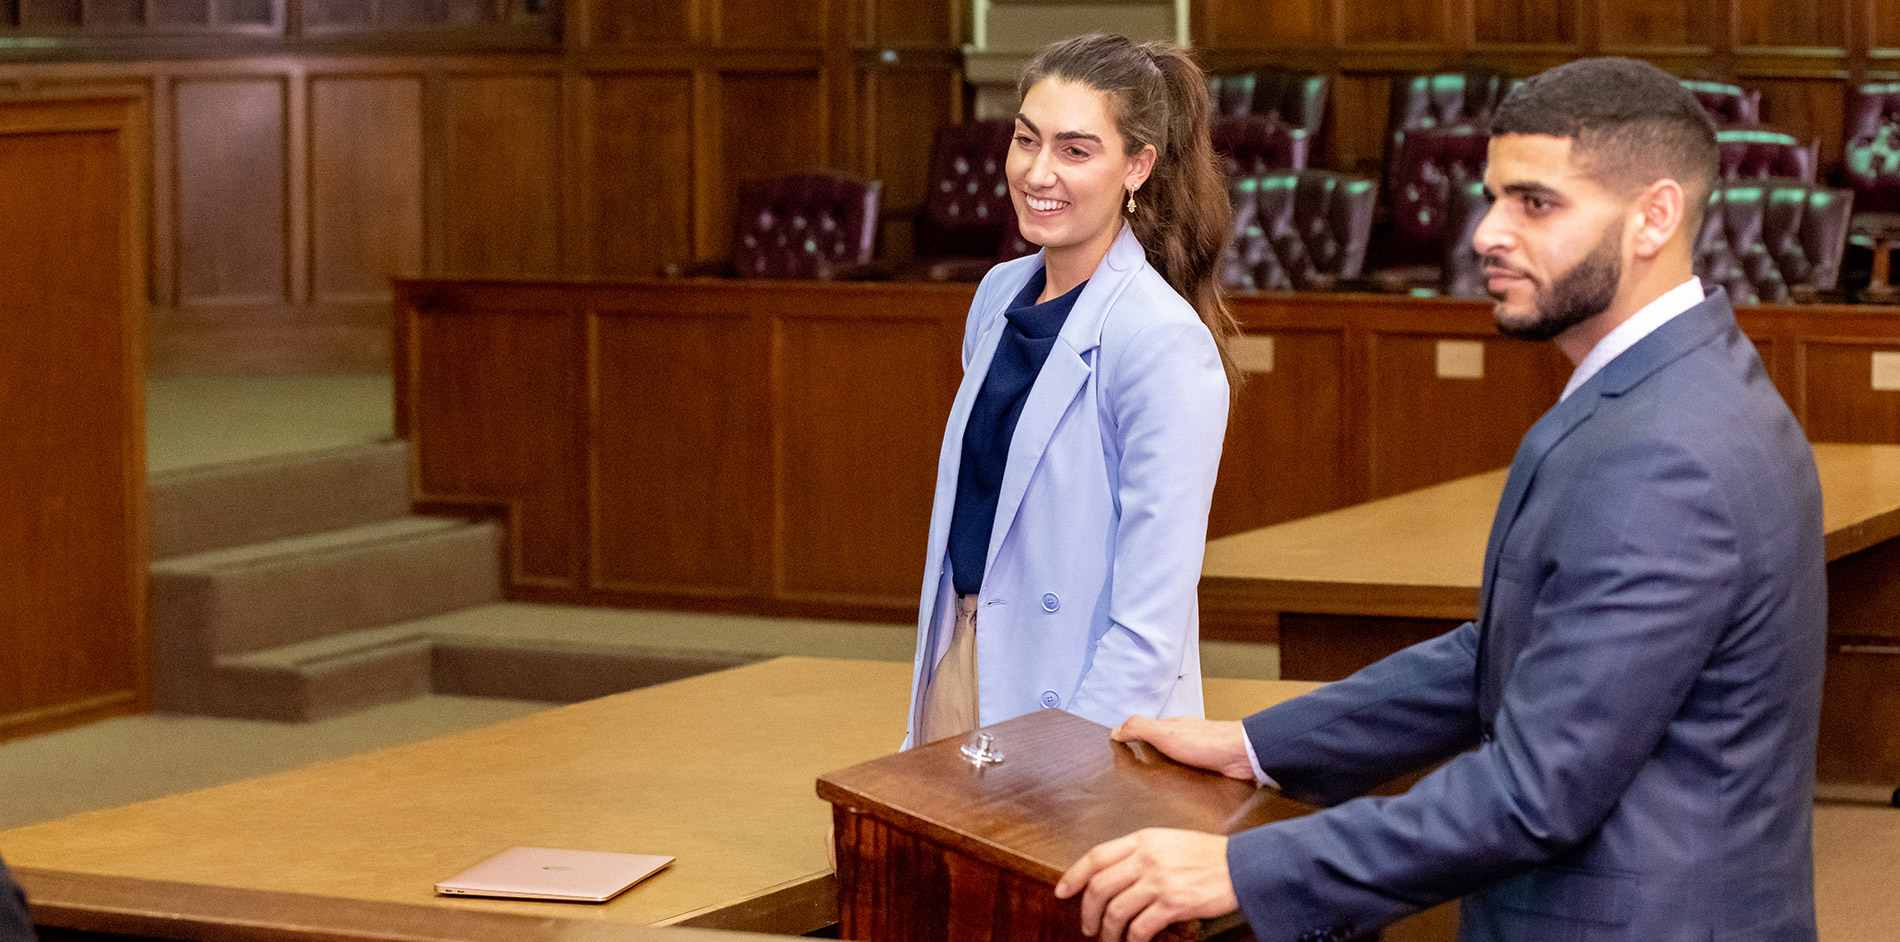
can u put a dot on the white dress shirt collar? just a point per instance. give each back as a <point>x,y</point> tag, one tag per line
<point>1640,324</point>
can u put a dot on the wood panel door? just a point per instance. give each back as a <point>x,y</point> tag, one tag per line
<point>72,296</point>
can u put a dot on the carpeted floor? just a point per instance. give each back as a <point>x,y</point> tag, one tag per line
<point>194,420</point>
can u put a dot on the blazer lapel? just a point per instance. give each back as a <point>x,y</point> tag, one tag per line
<point>1056,386</point>
<point>1062,377</point>
<point>1543,436</point>
<point>950,459</point>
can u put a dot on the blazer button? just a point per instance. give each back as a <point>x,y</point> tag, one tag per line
<point>1051,602</point>
<point>1050,700</point>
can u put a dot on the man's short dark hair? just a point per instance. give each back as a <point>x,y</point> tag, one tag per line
<point>1631,124</point>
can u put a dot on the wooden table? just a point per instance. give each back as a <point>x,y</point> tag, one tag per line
<point>1351,586</point>
<point>717,770</point>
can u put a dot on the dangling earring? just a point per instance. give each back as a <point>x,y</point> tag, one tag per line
<point>1131,202</point>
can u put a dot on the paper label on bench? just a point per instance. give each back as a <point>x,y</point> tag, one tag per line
<point>1253,353</point>
<point>1887,370</point>
<point>1460,359</point>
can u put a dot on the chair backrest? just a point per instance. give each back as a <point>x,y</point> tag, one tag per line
<point>804,225</point>
<point>1253,144</point>
<point>966,201</point>
<point>1432,99</point>
<point>1295,97</point>
<point>1726,103</point>
<point>1433,164</point>
<point>1755,152</point>
<point>1461,269</point>
<point>1296,230</point>
<point>1762,238</point>
<point>1870,161</point>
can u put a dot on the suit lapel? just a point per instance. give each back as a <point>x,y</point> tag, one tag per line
<point>950,458</point>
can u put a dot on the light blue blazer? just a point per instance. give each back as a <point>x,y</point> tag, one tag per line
<point>1088,600</point>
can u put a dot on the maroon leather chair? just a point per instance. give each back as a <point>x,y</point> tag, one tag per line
<point>1296,98</point>
<point>1297,230</point>
<point>1461,273</point>
<point>1433,164</point>
<point>966,203</point>
<point>1726,103</point>
<point>1256,144</point>
<point>1870,164</point>
<point>800,225</point>
<point>1430,100</point>
<point>1773,240</point>
<point>1756,152</point>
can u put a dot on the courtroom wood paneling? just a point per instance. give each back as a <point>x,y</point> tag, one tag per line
<point>72,590</point>
<point>1409,441</point>
<point>770,22</point>
<point>678,439</point>
<point>501,174</point>
<point>366,166</point>
<point>231,173</point>
<point>847,433</point>
<point>505,381</point>
<point>906,106</point>
<point>1811,108</point>
<point>1885,26</point>
<point>1357,122</point>
<point>794,427</point>
<point>638,172</point>
<point>1633,24</point>
<point>926,23</point>
<point>627,22</point>
<point>769,123</point>
<point>1403,21</point>
<point>1812,24</point>
<point>1280,461</point>
<point>1526,21</point>
<point>1264,24</point>
<point>1837,387</point>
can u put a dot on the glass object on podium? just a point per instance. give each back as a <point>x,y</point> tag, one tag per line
<point>933,845</point>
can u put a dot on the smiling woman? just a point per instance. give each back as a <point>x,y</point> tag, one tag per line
<point>1079,457</point>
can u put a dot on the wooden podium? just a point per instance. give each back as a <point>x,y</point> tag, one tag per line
<point>932,847</point>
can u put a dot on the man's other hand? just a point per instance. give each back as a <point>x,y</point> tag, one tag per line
<point>1135,886</point>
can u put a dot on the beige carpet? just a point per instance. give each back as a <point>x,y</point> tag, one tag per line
<point>194,420</point>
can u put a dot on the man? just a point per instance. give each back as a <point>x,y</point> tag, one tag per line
<point>1628,729</point>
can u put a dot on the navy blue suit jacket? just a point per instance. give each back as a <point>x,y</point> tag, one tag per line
<point>1631,720</point>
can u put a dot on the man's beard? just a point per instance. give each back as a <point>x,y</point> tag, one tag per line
<point>1577,295</point>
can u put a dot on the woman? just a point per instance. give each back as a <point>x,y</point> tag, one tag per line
<point>1079,458</point>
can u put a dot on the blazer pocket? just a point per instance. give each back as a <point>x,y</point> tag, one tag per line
<point>1566,893</point>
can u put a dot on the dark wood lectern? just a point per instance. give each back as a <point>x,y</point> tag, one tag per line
<point>932,847</point>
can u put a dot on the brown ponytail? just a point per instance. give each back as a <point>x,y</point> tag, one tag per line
<point>1182,214</point>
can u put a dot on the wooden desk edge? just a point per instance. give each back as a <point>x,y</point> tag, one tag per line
<point>1285,596</point>
<point>158,909</point>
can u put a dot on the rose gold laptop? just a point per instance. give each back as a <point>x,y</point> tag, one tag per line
<point>577,876</point>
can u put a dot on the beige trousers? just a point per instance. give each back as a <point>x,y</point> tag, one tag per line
<point>950,698</point>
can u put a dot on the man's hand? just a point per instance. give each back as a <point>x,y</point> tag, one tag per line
<point>1149,880</point>
<point>1205,744</point>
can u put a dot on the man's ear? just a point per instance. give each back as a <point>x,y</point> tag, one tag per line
<point>1661,211</point>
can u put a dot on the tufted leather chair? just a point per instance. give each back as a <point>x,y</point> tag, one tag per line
<point>1296,98</point>
<point>800,225</point>
<point>1754,152</point>
<point>1727,104</point>
<point>1461,273</point>
<point>966,205</point>
<point>1429,100</point>
<point>1256,144</point>
<point>1297,230</point>
<point>1871,166</point>
<point>1773,240</point>
<point>1433,164</point>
